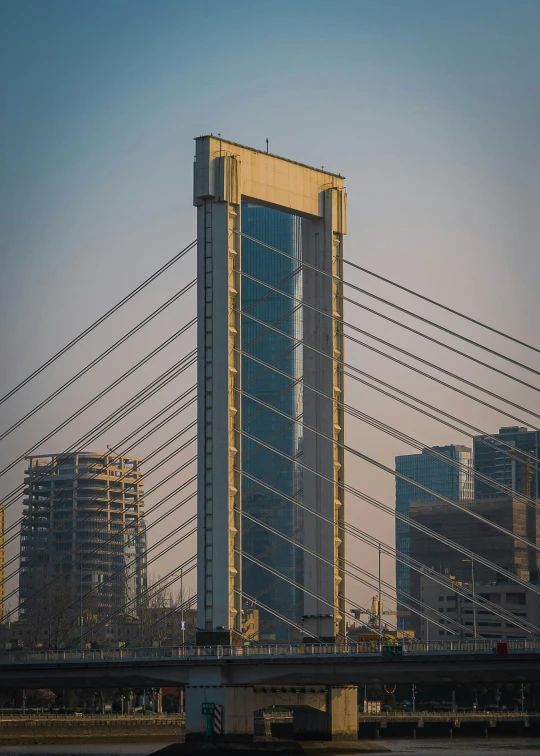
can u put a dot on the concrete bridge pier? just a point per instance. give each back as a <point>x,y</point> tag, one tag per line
<point>335,719</point>
<point>319,713</point>
<point>207,685</point>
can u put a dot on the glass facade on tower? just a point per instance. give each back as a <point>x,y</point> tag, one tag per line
<point>440,478</point>
<point>511,457</point>
<point>269,476</point>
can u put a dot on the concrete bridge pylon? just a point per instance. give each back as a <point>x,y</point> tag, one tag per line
<point>226,177</point>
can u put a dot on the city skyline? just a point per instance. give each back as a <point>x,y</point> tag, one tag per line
<point>436,135</point>
<point>431,472</point>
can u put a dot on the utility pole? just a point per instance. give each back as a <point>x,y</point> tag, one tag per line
<point>183,626</point>
<point>471,560</point>
<point>81,620</point>
<point>474,603</point>
<point>379,605</point>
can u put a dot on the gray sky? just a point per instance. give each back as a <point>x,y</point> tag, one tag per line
<point>430,109</point>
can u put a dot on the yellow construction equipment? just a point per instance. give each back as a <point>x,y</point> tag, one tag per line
<point>375,611</point>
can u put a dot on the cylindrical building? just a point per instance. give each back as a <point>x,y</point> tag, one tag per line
<point>83,539</point>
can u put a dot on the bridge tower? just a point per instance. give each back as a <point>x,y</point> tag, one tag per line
<point>231,180</point>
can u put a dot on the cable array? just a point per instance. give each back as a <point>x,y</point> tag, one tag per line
<point>347,324</point>
<point>100,320</point>
<point>395,433</point>
<point>353,571</point>
<point>100,358</point>
<point>412,315</point>
<point>119,454</point>
<point>357,371</point>
<point>405,559</point>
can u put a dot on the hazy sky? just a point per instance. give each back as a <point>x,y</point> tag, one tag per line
<point>430,109</point>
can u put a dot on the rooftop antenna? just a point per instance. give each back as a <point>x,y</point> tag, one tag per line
<point>267,145</point>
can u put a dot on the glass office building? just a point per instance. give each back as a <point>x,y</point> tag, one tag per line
<point>512,467</point>
<point>439,477</point>
<point>282,392</point>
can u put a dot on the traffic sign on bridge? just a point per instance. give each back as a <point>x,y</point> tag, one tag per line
<point>392,650</point>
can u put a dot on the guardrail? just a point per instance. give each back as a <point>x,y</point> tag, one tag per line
<point>6,716</point>
<point>481,715</point>
<point>150,718</point>
<point>190,653</point>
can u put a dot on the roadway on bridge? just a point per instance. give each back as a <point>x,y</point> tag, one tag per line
<point>284,671</point>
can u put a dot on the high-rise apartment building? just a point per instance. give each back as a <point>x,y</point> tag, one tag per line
<point>284,232</point>
<point>511,467</point>
<point>441,478</point>
<point>2,560</point>
<point>83,539</point>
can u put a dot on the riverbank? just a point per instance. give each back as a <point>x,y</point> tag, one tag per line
<point>277,747</point>
<point>161,729</point>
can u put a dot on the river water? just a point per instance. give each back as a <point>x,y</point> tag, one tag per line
<point>465,747</point>
<point>84,749</point>
<point>428,747</point>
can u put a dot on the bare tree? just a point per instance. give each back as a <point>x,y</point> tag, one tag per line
<point>50,618</point>
<point>160,614</point>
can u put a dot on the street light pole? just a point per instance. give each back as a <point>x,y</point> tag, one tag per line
<point>182,607</point>
<point>474,602</point>
<point>471,560</point>
<point>81,620</point>
<point>379,605</point>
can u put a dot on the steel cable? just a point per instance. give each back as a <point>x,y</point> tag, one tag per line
<point>414,564</point>
<point>412,315</point>
<point>99,396</point>
<point>98,359</point>
<point>116,416</point>
<point>382,341</point>
<point>100,320</point>
<point>398,515</point>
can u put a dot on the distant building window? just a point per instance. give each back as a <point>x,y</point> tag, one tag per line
<point>515,598</point>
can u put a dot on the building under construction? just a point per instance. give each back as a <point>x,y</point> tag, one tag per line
<point>83,539</point>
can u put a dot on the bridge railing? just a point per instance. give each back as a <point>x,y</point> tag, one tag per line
<point>269,650</point>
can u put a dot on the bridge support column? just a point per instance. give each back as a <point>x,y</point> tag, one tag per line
<point>343,713</point>
<point>337,719</point>
<point>324,714</point>
<point>237,720</point>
